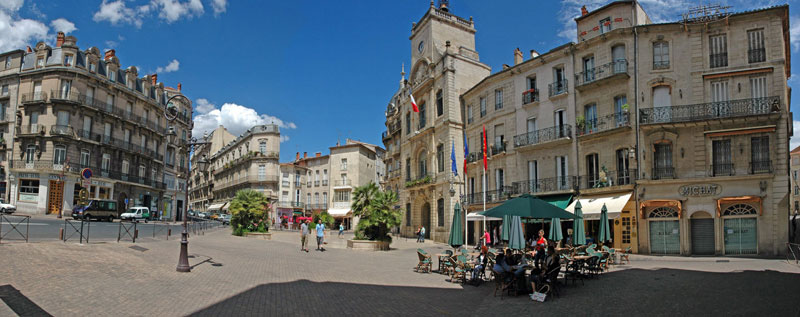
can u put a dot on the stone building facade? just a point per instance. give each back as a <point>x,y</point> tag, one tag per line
<point>79,109</point>
<point>201,186</point>
<point>10,65</point>
<point>680,129</point>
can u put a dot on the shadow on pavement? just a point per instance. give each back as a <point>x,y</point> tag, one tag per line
<point>19,303</point>
<point>625,292</point>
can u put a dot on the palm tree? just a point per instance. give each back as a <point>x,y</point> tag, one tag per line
<point>376,211</point>
<point>363,197</point>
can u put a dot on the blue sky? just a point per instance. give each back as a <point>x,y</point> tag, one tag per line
<point>323,70</point>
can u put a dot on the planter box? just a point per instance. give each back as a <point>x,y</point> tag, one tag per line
<point>368,245</point>
<point>259,235</point>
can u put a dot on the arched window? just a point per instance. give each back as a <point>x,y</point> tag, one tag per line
<point>663,212</point>
<point>423,164</point>
<point>740,210</point>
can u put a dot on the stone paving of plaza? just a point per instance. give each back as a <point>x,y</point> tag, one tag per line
<point>243,276</point>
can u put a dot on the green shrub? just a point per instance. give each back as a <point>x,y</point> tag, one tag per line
<point>249,212</point>
<point>376,211</point>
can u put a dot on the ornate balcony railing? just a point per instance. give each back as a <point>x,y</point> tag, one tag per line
<point>663,172</point>
<point>496,149</point>
<point>722,169</point>
<point>33,97</point>
<point>31,129</point>
<point>756,55</point>
<point>491,196</point>
<point>541,185</point>
<point>557,88</point>
<point>543,135</point>
<point>760,167</point>
<point>604,123</point>
<point>342,182</point>
<point>60,95</point>
<point>607,179</point>
<point>290,204</point>
<point>394,127</point>
<point>710,110</point>
<point>718,60</point>
<point>317,206</point>
<point>324,182</point>
<point>530,96</point>
<point>601,72</point>
<point>63,130</point>
<point>422,179</point>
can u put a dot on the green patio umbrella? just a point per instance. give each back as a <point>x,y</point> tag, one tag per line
<point>605,231</point>
<point>555,230</point>
<point>579,231</point>
<point>506,227</point>
<point>529,207</point>
<point>516,239</point>
<point>456,233</point>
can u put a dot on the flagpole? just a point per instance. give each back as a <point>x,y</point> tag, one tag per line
<point>484,200</point>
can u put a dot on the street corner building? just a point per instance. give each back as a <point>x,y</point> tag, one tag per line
<point>63,110</point>
<point>681,129</point>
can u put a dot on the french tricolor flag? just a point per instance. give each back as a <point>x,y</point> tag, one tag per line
<point>413,102</point>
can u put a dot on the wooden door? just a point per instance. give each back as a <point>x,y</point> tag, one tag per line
<point>55,197</point>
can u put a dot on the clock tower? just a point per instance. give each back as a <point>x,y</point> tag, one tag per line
<point>444,64</point>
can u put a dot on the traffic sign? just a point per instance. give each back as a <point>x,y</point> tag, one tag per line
<point>83,195</point>
<point>86,173</point>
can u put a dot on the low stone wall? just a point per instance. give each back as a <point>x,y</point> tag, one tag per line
<point>368,245</point>
<point>259,235</point>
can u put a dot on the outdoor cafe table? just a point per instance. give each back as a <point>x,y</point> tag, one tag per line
<point>441,263</point>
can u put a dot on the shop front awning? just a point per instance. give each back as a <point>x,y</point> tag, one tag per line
<point>340,212</point>
<point>476,216</point>
<point>215,207</point>
<point>591,205</point>
<point>225,206</point>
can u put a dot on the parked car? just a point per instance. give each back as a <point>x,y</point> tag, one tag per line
<point>226,219</point>
<point>192,213</point>
<point>202,215</point>
<point>7,208</point>
<point>96,209</point>
<point>136,214</point>
<point>213,216</point>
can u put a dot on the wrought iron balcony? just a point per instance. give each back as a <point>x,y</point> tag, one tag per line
<point>557,88</point>
<point>496,149</point>
<point>530,96</point>
<point>601,72</point>
<point>722,169</point>
<point>663,172</point>
<point>710,110</point>
<point>760,167</point>
<point>541,185</point>
<point>316,183</point>
<point>32,97</point>
<point>422,179</point>
<point>756,55</point>
<point>342,182</point>
<point>604,123</point>
<point>60,95</point>
<point>36,129</point>
<point>63,130</point>
<point>492,196</point>
<point>543,135</point>
<point>394,127</point>
<point>718,60</point>
<point>610,178</point>
<point>324,182</point>
<point>475,156</point>
<point>84,134</point>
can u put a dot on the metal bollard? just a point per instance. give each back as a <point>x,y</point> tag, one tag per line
<point>61,234</point>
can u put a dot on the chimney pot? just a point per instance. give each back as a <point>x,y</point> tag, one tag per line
<point>534,54</point>
<point>305,154</point>
<point>154,79</point>
<point>179,86</point>
<point>584,11</point>
<point>318,154</point>
<point>59,39</point>
<point>297,157</point>
<point>109,54</point>
<point>517,56</point>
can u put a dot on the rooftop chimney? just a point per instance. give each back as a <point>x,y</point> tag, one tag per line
<point>517,56</point>
<point>154,79</point>
<point>534,54</point>
<point>59,39</point>
<point>110,54</point>
<point>318,154</point>
<point>29,50</point>
<point>297,157</point>
<point>179,86</point>
<point>584,11</point>
<point>305,155</point>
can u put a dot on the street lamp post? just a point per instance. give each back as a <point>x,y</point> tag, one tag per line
<point>171,113</point>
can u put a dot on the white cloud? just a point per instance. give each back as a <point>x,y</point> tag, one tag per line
<point>284,138</point>
<point>795,140</point>
<point>110,45</point>
<point>11,5</point>
<point>794,32</point>
<point>203,106</point>
<point>236,118</point>
<point>116,12</point>
<point>16,32</point>
<point>174,10</point>
<point>174,65</point>
<point>63,25</point>
<point>219,6</point>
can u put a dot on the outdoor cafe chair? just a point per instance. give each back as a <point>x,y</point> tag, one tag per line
<point>611,253</point>
<point>424,261</point>
<point>624,256</point>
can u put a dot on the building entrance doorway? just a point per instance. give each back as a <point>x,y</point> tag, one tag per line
<point>426,219</point>
<point>55,197</point>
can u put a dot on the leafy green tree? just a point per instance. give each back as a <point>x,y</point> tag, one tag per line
<point>249,212</point>
<point>327,220</point>
<point>376,211</point>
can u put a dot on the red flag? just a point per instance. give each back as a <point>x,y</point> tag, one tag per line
<point>413,103</point>
<point>485,164</point>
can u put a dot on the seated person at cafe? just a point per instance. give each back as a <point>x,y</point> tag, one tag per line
<point>501,267</point>
<point>523,264</point>
<point>480,262</point>
<point>551,264</point>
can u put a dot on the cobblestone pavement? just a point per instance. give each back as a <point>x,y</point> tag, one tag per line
<point>246,276</point>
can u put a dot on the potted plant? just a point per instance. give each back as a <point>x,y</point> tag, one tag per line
<point>2,143</point>
<point>625,108</point>
<point>250,214</point>
<point>375,209</point>
<point>580,122</point>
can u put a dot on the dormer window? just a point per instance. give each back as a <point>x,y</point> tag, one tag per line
<point>68,60</point>
<point>112,75</point>
<point>8,62</point>
<point>40,62</point>
<point>92,67</point>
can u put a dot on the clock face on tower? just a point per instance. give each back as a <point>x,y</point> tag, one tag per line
<point>421,46</point>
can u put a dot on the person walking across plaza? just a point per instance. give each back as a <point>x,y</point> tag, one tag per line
<point>422,234</point>
<point>341,230</point>
<point>320,235</point>
<point>304,236</point>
